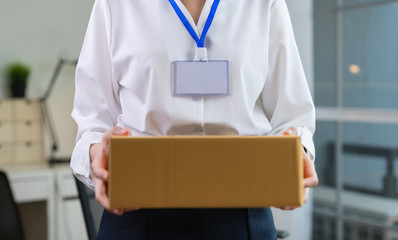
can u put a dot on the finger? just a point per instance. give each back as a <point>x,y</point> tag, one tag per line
<point>131,209</point>
<point>310,175</point>
<point>117,211</point>
<point>100,173</point>
<point>101,196</point>
<point>108,134</point>
<point>95,150</point>
<point>100,163</point>
<point>290,131</point>
<point>310,182</point>
<point>308,165</point>
<point>120,131</point>
<point>100,193</point>
<point>287,208</point>
<point>305,199</point>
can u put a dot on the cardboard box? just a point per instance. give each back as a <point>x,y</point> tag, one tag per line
<point>205,172</point>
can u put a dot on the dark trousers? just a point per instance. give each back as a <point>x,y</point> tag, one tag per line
<point>189,224</point>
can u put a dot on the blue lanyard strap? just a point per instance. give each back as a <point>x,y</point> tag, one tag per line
<point>199,42</point>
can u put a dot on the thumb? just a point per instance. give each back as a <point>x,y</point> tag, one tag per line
<point>290,131</point>
<point>121,131</point>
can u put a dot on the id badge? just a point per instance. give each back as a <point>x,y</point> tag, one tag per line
<point>193,78</point>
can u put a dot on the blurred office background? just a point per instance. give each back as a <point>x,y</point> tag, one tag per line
<point>349,50</point>
<point>355,91</point>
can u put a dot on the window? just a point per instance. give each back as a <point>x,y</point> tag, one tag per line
<point>356,94</point>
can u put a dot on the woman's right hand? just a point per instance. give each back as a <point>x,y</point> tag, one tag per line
<point>99,166</point>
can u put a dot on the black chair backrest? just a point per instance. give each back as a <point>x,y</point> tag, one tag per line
<point>92,210</point>
<point>10,220</point>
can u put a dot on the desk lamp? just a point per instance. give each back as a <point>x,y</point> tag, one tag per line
<point>45,113</point>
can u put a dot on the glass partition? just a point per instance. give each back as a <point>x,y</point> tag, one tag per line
<point>356,95</point>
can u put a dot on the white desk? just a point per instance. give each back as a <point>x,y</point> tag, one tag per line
<point>69,215</point>
<point>56,186</point>
<point>31,183</point>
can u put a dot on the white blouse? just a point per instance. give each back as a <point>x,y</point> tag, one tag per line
<point>123,77</point>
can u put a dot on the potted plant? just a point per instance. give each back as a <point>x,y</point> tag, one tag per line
<point>17,74</point>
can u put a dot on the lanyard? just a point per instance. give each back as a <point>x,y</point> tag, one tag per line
<point>199,41</point>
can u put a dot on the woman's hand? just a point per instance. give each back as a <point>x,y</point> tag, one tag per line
<point>99,166</point>
<point>310,175</point>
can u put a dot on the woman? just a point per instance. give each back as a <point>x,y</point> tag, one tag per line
<point>124,86</point>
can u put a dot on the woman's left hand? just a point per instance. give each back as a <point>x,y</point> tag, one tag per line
<point>310,176</point>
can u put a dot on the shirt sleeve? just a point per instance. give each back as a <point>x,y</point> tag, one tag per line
<point>96,102</point>
<point>286,97</point>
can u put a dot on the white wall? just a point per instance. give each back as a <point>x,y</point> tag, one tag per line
<point>37,33</point>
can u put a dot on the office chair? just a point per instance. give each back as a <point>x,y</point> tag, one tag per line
<point>10,220</point>
<point>92,211</point>
<point>281,234</point>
